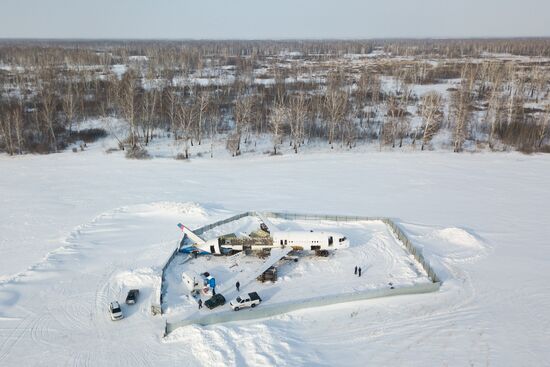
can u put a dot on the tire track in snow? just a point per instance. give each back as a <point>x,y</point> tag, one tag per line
<point>15,336</point>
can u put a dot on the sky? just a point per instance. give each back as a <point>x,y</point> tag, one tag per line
<point>275,19</point>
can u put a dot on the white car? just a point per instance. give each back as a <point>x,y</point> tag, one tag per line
<point>115,311</point>
<point>245,300</point>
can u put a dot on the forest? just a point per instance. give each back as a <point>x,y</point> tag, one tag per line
<point>459,95</point>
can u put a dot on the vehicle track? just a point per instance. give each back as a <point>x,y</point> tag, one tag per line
<point>16,335</point>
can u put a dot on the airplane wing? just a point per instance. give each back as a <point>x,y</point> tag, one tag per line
<point>276,255</point>
<point>248,276</point>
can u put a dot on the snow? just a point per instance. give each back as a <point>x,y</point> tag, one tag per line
<point>119,70</point>
<point>79,230</point>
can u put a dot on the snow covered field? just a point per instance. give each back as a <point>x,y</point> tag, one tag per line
<point>78,230</point>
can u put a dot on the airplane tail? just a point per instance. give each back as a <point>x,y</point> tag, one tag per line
<point>191,235</point>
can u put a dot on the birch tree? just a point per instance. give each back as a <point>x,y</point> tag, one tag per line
<point>461,107</point>
<point>277,118</point>
<point>299,114</point>
<point>335,104</point>
<point>431,116</point>
<point>127,96</point>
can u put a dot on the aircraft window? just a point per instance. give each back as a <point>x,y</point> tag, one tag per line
<point>281,242</point>
<point>285,242</point>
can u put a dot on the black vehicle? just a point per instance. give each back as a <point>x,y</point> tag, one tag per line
<point>132,296</point>
<point>215,301</point>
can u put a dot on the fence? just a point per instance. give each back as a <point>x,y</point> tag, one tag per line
<point>413,250</point>
<point>267,311</point>
<point>156,305</point>
<point>208,227</point>
<point>417,254</point>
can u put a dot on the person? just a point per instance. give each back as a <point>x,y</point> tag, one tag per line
<point>238,285</point>
<point>359,272</point>
<point>200,304</point>
<point>356,270</point>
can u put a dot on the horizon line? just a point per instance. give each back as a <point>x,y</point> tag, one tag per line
<point>276,39</point>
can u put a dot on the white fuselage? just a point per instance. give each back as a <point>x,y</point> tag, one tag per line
<point>303,240</point>
<point>298,240</point>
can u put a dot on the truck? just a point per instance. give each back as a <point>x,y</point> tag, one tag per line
<point>270,275</point>
<point>246,300</point>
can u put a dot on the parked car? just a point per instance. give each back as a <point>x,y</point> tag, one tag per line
<point>132,296</point>
<point>115,311</point>
<point>215,301</point>
<point>247,300</point>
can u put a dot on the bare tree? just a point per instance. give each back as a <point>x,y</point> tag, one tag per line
<point>495,102</point>
<point>516,97</point>
<point>6,130</point>
<point>242,117</point>
<point>171,106</point>
<point>48,110</point>
<point>543,125</point>
<point>148,113</point>
<point>233,143</point>
<point>432,114</point>
<point>336,105</point>
<point>126,97</point>
<point>203,104</point>
<point>278,117</point>
<point>17,121</point>
<point>214,117</point>
<point>110,96</point>
<point>299,114</point>
<point>69,104</point>
<point>403,121</point>
<point>349,134</point>
<point>461,106</point>
<point>185,120</point>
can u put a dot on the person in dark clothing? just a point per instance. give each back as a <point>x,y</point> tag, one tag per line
<point>359,271</point>
<point>356,270</point>
<point>200,304</point>
<point>238,285</point>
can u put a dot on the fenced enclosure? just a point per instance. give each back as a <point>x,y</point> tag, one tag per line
<point>271,310</point>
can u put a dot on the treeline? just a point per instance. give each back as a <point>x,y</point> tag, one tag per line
<point>294,91</point>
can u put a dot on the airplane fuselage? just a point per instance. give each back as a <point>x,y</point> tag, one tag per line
<point>297,240</point>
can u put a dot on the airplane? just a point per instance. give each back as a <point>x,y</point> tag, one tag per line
<point>320,242</point>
